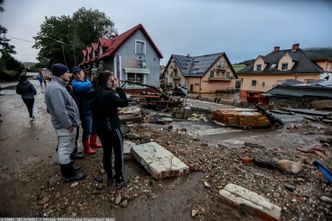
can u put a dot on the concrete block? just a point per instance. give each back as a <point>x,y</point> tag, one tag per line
<point>250,202</point>
<point>158,161</point>
<point>127,145</point>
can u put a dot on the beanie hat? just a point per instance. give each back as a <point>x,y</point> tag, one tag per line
<point>59,69</point>
<point>76,69</point>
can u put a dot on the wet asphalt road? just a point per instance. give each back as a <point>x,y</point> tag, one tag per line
<point>22,142</point>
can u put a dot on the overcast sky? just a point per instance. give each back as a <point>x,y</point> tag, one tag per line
<point>243,29</point>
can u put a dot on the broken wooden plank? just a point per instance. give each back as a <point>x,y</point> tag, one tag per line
<point>307,111</point>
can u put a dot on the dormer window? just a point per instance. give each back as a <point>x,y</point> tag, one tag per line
<point>284,66</point>
<point>258,67</point>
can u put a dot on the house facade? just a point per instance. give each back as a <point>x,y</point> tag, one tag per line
<point>131,56</point>
<point>266,71</point>
<point>200,74</point>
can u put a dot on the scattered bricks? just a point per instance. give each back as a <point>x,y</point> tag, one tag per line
<point>241,117</point>
<point>250,202</point>
<point>158,161</point>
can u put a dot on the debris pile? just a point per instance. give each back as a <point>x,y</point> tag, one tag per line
<point>240,117</point>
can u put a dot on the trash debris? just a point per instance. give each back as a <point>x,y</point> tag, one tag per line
<point>326,172</point>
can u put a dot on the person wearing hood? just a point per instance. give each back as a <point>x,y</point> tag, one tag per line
<point>27,92</point>
<point>104,104</point>
<point>65,119</point>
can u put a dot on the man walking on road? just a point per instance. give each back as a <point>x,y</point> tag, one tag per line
<point>65,119</point>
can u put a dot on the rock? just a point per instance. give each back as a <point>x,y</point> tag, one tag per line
<point>326,199</point>
<point>124,203</point>
<point>207,185</point>
<point>117,199</point>
<point>253,145</point>
<point>43,201</point>
<point>57,195</point>
<point>265,162</point>
<point>289,167</point>
<point>145,140</point>
<point>52,181</point>
<point>290,187</point>
<point>99,186</point>
<point>74,184</point>
<point>98,178</point>
<point>194,213</point>
<point>102,171</point>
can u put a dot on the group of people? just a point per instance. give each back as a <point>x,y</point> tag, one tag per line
<point>72,101</point>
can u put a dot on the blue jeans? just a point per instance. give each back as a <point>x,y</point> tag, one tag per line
<point>87,125</point>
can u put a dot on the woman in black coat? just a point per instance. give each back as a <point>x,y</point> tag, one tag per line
<point>105,101</point>
<point>27,91</point>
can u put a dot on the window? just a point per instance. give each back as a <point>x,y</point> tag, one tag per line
<point>253,83</point>
<point>139,47</point>
<point>258,67</point>
<point>221,64</point>
<point>211,74</point>
<point>135,77</point>
<point>284,66</point>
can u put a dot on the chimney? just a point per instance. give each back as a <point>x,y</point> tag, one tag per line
<point>295,47</point>
<point>276,49</point>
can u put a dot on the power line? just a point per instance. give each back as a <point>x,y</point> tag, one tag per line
<point>20,39</point>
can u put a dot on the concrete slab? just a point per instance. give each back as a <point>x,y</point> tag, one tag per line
<point>127,145</point>
<point>158,161</point>
<point>250,202</point>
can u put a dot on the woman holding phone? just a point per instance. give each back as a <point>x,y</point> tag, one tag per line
<point>105,101</point>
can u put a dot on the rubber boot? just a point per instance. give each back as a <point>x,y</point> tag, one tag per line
<point>93,141</point>
<point>69,174</point>
<point>75,155</point>
<point>87,147</point>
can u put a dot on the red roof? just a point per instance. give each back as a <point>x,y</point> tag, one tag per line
<point>94,46</point>
<point>114,43</point>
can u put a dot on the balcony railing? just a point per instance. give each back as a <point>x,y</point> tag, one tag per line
<point>219,79</point>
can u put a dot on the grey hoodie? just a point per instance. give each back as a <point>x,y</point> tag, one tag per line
<point>60,105</point>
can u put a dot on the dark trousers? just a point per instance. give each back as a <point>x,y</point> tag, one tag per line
<point>29,103</point>
<point>111,139</point>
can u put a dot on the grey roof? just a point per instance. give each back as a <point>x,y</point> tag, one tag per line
<point>312,89</point>
<point>302,63</point>
<point>198,65</point>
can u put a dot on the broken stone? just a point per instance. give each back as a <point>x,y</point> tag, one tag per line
<point>127,145</point>
<point>265,162</point>
<point>145,140</point>
<point>290,188</point>
<point>117,199</point>
<point>250,202</point>
<point>194,213</point>
<point>74,184</point>
<point>102,171</point>
<point>289,167</point>
<point>207,185</point>
<point>158,161</point>
<point>98,178</point>
<point>99,186</point>
<point>326,199</point>
<point>52,181</point>
<point>124,203</point>
<point>57,195</point>
<point>43,201</point>
<point>253,145</point>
